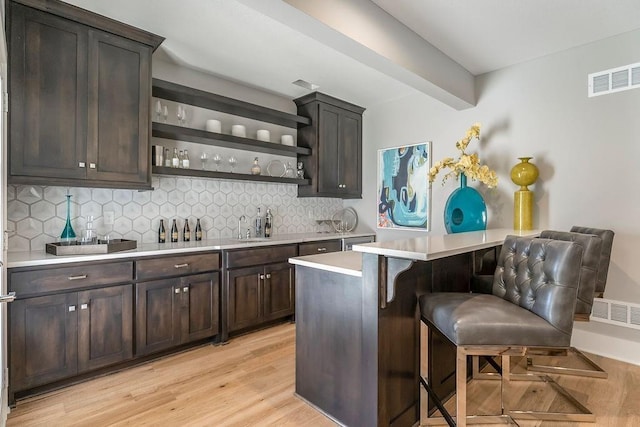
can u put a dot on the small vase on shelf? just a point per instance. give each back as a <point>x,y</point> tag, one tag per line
<point>68,235</point>
<point>465,209</point>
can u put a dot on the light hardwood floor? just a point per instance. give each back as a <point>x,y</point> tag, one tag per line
<point>250,382</point>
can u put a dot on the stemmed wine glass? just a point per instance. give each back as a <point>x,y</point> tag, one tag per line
<point>203,160</point>
<point>232,162</point>
<point>165,113</point>
<point>217,159</point>
<point>182,115</point>
<point>158,110</point>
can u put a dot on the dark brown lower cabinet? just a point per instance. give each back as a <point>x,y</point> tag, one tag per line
<point>260,294</point>
<point>59,336</point>
<point>170,312</point>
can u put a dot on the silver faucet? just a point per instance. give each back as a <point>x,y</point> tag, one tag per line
<point>240,220</point>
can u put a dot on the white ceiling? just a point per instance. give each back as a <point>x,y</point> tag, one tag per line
<point>486,35</point>
<point>229,39</point>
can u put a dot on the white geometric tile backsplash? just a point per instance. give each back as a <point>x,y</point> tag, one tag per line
<point>36,215</point>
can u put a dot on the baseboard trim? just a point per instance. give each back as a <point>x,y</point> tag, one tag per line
<point>607,340</point>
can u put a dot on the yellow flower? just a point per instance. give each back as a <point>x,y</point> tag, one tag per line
<point>468,164</point>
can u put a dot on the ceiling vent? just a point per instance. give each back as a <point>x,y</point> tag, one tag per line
<point>614,80</point>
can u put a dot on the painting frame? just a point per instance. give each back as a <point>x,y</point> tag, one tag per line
<point>403,188</point>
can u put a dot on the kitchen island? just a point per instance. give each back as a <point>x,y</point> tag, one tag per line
<point>357,323</point>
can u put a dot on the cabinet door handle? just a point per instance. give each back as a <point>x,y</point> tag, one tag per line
<point>92,165</point>
<point>176,290</point>
<point>322,249</point>
<point>181,265</point>
<point>80,277</point>
<point>8,297</point>
<point>268,275</point>
<point>260,276</point>
<point>72,308</point>
<point>81,164</point>
<point>185,289</point>
<point>84,306</point>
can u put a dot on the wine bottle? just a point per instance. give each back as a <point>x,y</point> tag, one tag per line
<point>162,233</point>
<point>175,160</point>
<point>258,224</point>
<point>267,223</point>
<point>198,230</point>
<point>174,231</point>
<point>186,231</point>
<point>185,159</point>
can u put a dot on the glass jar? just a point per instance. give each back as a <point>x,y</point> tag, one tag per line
<point>255,169</point>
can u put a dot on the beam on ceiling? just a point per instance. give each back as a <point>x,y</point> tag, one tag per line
<point>365,32</point>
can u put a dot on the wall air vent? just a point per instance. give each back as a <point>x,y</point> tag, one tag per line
<point>619,313</point>
<point>614,80</point>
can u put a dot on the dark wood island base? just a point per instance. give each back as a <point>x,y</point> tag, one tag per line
<point>358,329</point>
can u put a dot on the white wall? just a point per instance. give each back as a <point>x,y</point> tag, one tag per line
<point>587,149</point>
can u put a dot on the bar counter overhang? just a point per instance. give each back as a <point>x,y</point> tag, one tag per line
<point>358,329</point>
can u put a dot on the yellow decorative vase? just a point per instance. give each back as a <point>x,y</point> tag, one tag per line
<point>523,174</point>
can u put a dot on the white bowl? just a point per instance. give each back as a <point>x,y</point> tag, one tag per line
<point>213,126</point>
<point>238,130</point>
<point>263,135</point>
<point>287,140</point>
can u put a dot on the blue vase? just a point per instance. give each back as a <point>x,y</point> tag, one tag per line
<point>68,234</point>
<point>465,209</point>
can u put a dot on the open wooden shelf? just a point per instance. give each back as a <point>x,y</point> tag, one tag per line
<point>162,170</point>
<point>187,95</point>
<point>180,133</point>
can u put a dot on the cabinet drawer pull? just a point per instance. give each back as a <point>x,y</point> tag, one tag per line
<point>176,290</point>
<point>84,306</point>
<point>80,277</point>
<point>80,164</point>
<point>181,265</point>
<point>260,276</point>
<point>268,276</point>
<point>72,308</point>
<point>322,249</point>
<point>185,289</point>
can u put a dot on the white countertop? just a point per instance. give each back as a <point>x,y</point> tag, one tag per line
<point>424,248</point>
<point>431,247</point>
<point>35,258</point>
<point>349,263</point>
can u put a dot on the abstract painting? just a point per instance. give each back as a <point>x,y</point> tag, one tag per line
<point>403,187</point>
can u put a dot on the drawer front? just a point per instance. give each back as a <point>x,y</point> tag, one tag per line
<point>314,248</point>
<point>27,283</point>
<point>259,256</point>
<point>178,265</point>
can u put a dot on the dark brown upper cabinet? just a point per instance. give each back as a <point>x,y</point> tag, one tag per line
<point>335,140</point>
<point>79,97</point>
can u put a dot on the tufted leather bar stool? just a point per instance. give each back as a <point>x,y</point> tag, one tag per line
<point>605,256</point>
<point>597,245</point>
<point>531,305</point>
